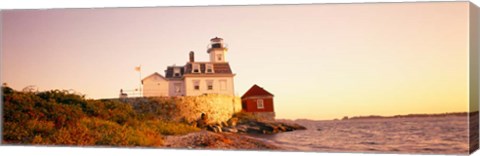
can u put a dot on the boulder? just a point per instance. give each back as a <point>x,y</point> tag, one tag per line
<point>219,129</point>
<point>267,127</point>
<point>242,128</point>
<point>224,124</point>
<point>214,128</point>
<point>254,129</point>
<point>203,121</point>
<point>228,129</point>
<point>232,121</point>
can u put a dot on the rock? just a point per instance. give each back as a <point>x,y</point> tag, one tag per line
<point>242,128</point>
<point>232,121</point>
<point>268,127</point>
<point>219,129</point>
<point>293,126</point>
<point>211,128</point>
<point>224,124</point>
<point>276,129</point>
<point>203,122</point>
<point>227,129</point>
<point>219,124</point>
<point>298,127</point>
<point>254,129</point>
<point>214,128</point>
<point>193,124</point>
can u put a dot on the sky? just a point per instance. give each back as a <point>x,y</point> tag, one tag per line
<point>320,61</point>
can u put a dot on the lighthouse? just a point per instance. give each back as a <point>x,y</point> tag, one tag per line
<point>195,77</point>
<point>217,50</point>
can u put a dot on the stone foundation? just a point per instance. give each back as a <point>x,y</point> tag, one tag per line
<point>265,115</point>
<point>219,108</point>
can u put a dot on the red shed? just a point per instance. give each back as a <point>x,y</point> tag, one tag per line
<point>259,102</point>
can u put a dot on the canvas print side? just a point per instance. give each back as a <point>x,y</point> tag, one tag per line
<point>474,77</point>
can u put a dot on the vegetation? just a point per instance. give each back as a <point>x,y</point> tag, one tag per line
<point>62,118</point>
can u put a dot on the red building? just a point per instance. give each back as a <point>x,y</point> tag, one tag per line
<point>259,102</point>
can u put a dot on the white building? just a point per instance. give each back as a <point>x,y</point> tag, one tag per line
<point>194,78</point>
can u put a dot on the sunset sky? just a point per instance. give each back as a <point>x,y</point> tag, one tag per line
<point>320,61</point>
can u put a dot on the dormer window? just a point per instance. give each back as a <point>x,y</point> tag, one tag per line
<point>209,68</point>
<point>176,72</point>
<point>196,68</point>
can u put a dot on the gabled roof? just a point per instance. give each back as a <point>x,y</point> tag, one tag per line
<point>256,91</point>
<point>152,75</point>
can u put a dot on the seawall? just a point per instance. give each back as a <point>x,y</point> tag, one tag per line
<point>219,108</point>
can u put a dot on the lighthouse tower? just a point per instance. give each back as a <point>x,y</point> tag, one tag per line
<point>217,50</point>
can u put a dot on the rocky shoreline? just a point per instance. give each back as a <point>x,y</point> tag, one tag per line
<point>211,140</point>
<point>230,135</point>
<point>243,125</point>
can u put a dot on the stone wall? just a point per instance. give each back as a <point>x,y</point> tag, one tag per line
<point>265,115</point>
<point>219,108</point>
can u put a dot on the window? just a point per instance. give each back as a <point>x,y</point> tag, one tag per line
<point>209,68</point>
<point>210,84</point>
<point>216,45</point>
<point>219,57</point>
<point>196,84</point>
<point>196,68</point>
<point>178,88</point>
<point>223,84</point>
<point>176,72</point>
<point>260,104</point>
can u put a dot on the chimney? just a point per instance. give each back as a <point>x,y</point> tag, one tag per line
<point>192,56</point>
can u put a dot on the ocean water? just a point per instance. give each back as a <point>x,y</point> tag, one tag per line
<point>423,135</point>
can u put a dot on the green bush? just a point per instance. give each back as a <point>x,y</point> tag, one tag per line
<point>62,118</point>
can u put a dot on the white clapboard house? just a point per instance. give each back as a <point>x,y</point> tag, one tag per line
<point>194,78</point>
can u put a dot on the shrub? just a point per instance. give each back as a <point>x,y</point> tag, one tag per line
<point>151,108</point>
<point>61,118</point>
<point>62,97</point>
<point>109,110</point>
<point>169,128</point>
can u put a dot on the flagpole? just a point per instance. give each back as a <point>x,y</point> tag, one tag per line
<point>140,77</point>
<point>139,69</point>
